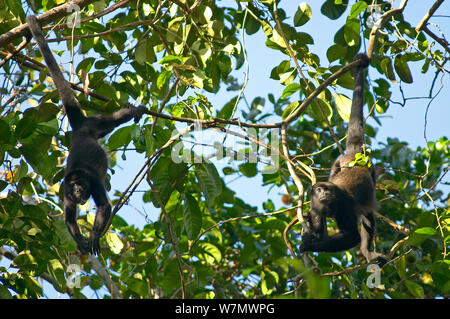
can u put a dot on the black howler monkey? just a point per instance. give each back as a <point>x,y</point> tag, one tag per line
<point>87,162</point>
<point>349,194</point>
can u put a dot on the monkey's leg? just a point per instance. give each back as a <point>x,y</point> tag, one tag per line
<point>102,218</point>
<point>367,236</point>
<point>70,210</point>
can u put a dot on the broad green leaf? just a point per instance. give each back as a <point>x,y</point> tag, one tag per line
<point>333,11</point>
<point>429,231</point>
<point>316,112</point>
<point>351,32</point>
<point>65,241</point>
<point>344,106</point>
<point>290,89</point>
<point>420,235</point>
<point>335,52</point>
<point>85,64</point>
<point>171,59</point>
<point>357,8</point>
<point>290,109</point>
<point>400,266</point>
<point>278,39</point>
<point>163,78</point>
<point>5,132</point>
<point>209,181</point>
<point>414,288</point>
<point>145,52</point>
<point>211,254</point>
<point>57,270</point>
<point>402,69</point>
<point>192,217</point>
<point>386,66</point>
<point>248,169</point>
<point>302,15</point>
<point>27,125</point>
<point>121,137</point>
<point>114,242</point>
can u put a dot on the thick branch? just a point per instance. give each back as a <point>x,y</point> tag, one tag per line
<point>104,276</point>
<point>45,18</point>
<point>428,15</point>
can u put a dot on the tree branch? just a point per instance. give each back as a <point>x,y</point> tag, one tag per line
<point>45,18</point>
<point>428,15</point>
<point>380,24</point>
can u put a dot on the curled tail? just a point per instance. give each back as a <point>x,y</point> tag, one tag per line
<point>355,132</point>
<point>71,104</point>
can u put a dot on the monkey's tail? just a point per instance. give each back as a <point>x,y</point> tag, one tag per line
<point>355,132</point>
<point>286,240</point>
<point>71,104</point>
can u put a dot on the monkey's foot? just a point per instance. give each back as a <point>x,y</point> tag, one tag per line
<point>94,245</point>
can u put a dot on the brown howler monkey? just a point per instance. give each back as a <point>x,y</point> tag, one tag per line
<point>349,194</point>
<point>87,162</point>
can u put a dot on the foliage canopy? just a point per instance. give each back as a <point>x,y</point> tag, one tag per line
<point>207,241</point>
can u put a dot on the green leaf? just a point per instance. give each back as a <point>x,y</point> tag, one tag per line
<point>192,217</point>
<point>402,69</point>
<point>290,109</point>
<point>400,266</point>
<point>56,269</point>
<point>357,8</point>
<point>315,112</point>
<point>386,66</point>
<point>420,235</point>
<point>333,11</point>
<point>415,289</point>
<point>27,125</point>
<point>5,132</point>
<point>428,231</point>
<point>209,181</point>
<point>344,106</point>
<point>145,52</point>
<point>336,52</point>
<point>120,137</point>
<point>171,59</point>
<point>302,15</point>
<point>211,254</point>
<point>65,240</point>
<point>114,242</point>
<point>290,89</point>
<point>351,32</point>
<point>163,78</point>
<point>248,169</point>
<point>85,64</point>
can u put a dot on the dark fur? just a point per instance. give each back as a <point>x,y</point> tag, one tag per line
<point>87,162</point>
<point>349,194</point>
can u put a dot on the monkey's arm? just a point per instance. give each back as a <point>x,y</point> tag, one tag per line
<point>71,105</point>
<point>70,210</point>
<point>106,124</point>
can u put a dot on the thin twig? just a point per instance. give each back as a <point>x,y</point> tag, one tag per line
<point>380,25</point>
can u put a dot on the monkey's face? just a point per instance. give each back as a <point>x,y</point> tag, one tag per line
<point>79,189</point>
<point>324,192</point>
